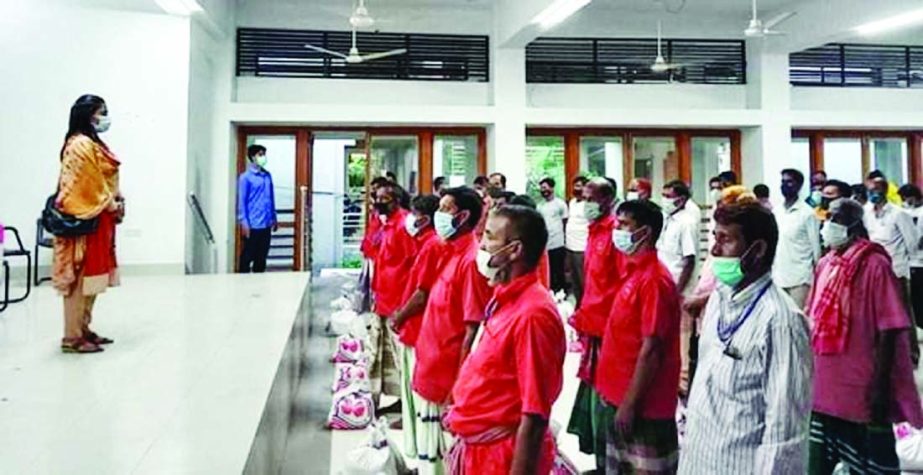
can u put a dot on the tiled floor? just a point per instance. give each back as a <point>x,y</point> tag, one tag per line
<point>181,391</point>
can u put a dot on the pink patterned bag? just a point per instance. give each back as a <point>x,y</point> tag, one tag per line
<point>352,409</point>
<point>348,350</point>
<point>348,374</point>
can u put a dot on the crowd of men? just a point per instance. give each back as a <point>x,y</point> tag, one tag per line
<point>791,347</point>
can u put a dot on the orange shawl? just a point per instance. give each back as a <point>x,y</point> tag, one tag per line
<point>88,184</point>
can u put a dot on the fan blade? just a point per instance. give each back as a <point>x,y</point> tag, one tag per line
<point>774,33</point>
<point>325,51</point>
<point>395,52</point>
<point>775,21</point>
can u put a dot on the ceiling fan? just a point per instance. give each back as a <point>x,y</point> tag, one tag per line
<point>360,17</point>
<point>758,29</point>
<point>660,64</point>
<point>354,57</point>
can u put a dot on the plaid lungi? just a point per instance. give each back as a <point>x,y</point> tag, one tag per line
<point>865,448</point>
<point>588,423</point>
<point>384,375</point>
<point>651,448</point>
<point>432,441</point>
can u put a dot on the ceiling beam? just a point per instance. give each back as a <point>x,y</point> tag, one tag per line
<point>513,21</point>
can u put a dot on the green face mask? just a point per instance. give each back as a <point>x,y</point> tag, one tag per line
<point>591,211</point>
<point>261,160</point>
<point>727,270</point>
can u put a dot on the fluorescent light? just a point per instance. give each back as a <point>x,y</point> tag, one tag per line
<point>180,7</point>
<point>891,23</point>
<point>557,12</point>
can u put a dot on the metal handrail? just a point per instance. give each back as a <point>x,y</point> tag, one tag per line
<point>197,211</point>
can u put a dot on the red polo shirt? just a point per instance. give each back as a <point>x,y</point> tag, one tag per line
<point>517,367</point>
<point>603,271</point>
<point>458,297</point>
<point>392,264</point>
<point>422,276</point>
<point>647,304</point>
<point>372,238</point>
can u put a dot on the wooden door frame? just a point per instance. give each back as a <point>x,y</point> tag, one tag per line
<point>682,138</point>
<point>816,139</point>
<point>304,139</point>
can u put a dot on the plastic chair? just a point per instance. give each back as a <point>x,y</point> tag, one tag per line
<point>41,240</point>
<point>17,251</point>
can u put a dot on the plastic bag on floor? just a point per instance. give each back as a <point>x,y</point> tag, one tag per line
<point>562,464</point>
<point>909,447</point>
<point>359,327</point>
<point>349,349</point>
<point>378,455</point>
<point>352,409</point>
<point>351,374</point>
<point>342,321</point>
<point>341,303</point>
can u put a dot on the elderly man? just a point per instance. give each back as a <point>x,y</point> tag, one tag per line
<point>799,240</point>
<point>748,408</point>
<point>507,386</point>
<point>859,321</point>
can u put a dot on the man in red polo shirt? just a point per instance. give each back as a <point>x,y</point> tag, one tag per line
<point>505,389</point>
<point>604,271</point>
<point>454,310</point>
<point>639,362</point>
<point>407,320</point>
<point>392,265</point>
<point>369,246</point>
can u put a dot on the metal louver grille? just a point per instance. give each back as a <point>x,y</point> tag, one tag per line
<point>281,53</point>
<point>848,65</point>
<point>628,61</point>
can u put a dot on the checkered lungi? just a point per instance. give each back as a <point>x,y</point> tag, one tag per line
<point>384,375</point>
<point>651,448</point>
<point>406,361</point>
<point>432,441</point>
<point>864,448</point>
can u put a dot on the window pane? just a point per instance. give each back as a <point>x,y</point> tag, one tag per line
<point>890,156</point>
<point>456,159</point>
<point>843,160</point>
<point>710,156</point>
<point>601,157</point>
<point>398,155</point>
<point>544,159</point>
<point>656,159</point>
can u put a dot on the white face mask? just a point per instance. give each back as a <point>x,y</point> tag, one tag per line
<point>483,262</point>
<point>632,196</point>
<point>103,125</point>
<point>410,224</point>
<point>669,206</point>
<point>834,234</point>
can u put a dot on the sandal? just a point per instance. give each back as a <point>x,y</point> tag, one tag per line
<point>79,345</point>
<point>96,339</point>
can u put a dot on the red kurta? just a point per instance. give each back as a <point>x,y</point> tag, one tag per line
<point>516,369</point>
<point>372,238</point>
<point>647,304</point>
<point>458,297</point>
<point>423,275</point>
<point>393,262</point>
<point>604,270</point>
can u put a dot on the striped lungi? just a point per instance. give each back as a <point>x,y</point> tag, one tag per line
<point>865,448</point>
<point>587,422</point>
<point>384,374</point>
<point>406,360</point>
<point>651,448</point>
<point>432,441</point>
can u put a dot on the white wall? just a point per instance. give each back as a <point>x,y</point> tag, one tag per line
<point>857,99</point>
<point>355,91</point>
<point>653,96</point>
<point>139,63</point>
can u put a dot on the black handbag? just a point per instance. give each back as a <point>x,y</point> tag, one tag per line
<point>65,225</point>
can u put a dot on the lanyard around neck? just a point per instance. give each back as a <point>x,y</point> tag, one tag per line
<point>726,331</point>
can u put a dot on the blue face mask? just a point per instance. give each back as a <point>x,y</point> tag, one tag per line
<point>876,197</point>
<point>444,224</point>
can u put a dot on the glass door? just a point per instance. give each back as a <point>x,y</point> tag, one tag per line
<point>655,158</point>
<point>455,158</point>
<point>545,159</point>
<point>281,162</point>
<point>843,159</point>
<point>602,157</point>
<point>338,200</point>
<point>890,156</point>
<point>397,157</point>
<point>710,156</point>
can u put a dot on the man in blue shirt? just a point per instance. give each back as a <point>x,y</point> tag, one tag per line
<point>256,211</point>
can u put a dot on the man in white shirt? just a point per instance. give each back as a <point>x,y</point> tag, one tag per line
<point>678,250</point>
<point>750,403</point>
<point>575,236</point>
<point>799,240</point>
<point>893,228</point>
<point>913,204</point>
<point>554,210</point>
